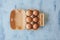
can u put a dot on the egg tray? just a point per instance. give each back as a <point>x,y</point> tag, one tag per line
<point>19,19</point>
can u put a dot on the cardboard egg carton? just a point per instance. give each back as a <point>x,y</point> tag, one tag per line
<point>18,21</point>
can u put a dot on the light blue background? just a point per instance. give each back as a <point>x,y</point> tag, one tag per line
<point>51,31</point>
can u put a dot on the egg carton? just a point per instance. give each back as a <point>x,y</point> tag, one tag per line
<point>18,19</point>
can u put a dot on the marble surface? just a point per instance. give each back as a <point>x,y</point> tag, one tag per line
<point>51,31</point>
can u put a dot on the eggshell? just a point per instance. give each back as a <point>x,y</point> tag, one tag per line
<point>29,12</point>
<point>35,26</point>
<point>28,26</point>
<point>28,19</point>
<point>35,12</point>
<point>35,19</point>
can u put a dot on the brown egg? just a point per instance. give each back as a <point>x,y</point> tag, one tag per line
<point>35,19</point>
<point>35,12</point>
<point>29,26</point>
<point>35,26</point>
<point>28,19</point>
<point>29,12</point>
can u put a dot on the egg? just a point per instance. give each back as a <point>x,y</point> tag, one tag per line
<point>29,12</point>
<point>35,12</point>
<point>35,26</point>
<point>28,19</point>
<point>28,26</point>
<point>35,19</point>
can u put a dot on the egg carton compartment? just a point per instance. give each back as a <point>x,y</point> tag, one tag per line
<point>26,19</point>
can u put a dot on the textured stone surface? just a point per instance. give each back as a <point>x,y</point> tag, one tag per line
<point>51,31</point>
